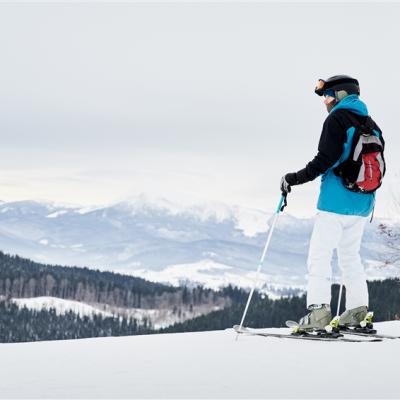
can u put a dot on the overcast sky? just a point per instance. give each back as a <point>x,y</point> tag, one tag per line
<point>212,101</point>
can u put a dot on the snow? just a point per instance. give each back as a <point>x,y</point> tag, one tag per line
<point>197,273</point>
<point>159,318</point>
<point>61,306</point>
<point>56,214</point>
<point>201,365</point>
<point>154,235</point>
<point>213,275</point>
<point>250,221</point>
<point>202,210</point>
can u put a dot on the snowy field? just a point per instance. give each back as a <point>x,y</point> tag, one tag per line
<point>201,365</point>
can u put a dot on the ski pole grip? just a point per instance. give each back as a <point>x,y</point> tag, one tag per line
<point>282,203</point>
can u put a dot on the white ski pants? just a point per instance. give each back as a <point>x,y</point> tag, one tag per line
<point>342,232</point>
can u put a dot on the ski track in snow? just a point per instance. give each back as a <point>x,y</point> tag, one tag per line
<point>201,365</point>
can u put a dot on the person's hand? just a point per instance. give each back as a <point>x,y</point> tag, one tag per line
<point>287,181</point>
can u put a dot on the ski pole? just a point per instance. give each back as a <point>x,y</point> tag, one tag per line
<point>339,300</point>
<point>282,204</point>
<point>334,324</point>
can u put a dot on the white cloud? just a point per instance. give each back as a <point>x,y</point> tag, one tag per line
<point>214,100</point>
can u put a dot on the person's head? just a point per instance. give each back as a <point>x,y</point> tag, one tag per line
<point>336,88</point>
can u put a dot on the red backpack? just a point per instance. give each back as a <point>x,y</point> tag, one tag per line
<point>365,167</point>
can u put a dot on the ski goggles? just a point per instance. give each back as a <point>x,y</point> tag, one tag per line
<point>329,93</point>
<point>321,91</point>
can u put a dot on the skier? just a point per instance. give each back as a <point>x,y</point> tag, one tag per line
<point>346,199</point>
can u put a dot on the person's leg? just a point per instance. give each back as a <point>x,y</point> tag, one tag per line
<point>326,235</point>
<point>353,273</point>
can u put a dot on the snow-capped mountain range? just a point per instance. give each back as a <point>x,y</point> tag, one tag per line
<point>211,244</point>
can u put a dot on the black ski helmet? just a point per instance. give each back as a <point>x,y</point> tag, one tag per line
<point>337,83</point>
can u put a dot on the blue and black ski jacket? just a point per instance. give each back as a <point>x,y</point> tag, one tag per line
<point>333,148</point>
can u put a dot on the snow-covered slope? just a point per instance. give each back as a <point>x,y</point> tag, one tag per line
<point>61,306</point>
<point>159,317</point>
<point>212,244</point>
<point>201,365</point>
<point>213,275</point>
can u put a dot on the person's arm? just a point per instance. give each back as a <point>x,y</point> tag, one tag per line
<point>330,148</point>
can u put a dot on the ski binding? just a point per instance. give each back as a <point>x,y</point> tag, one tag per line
<point>321,335</point>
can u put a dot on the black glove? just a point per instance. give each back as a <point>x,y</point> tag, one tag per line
<point>287,181</point>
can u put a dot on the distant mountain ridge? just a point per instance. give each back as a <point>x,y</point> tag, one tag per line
<point>38,286</point>
<point>210,244</point>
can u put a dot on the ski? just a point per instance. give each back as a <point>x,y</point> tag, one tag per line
<point>364,332</point>
<point>366,328</point>
<point>303,336</point>
<point>372,333</point>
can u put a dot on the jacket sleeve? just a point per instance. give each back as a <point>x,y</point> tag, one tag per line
<point>330,148</point>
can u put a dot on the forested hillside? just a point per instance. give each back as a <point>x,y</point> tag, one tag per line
<point>264,312</point>
<point>196,309</point>
<point>24,325</point>
<point>20,277</point>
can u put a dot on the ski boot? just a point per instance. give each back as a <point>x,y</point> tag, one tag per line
<point>353,317</point>
<point>357,319</point>
<point>315,323</point>
<point>317,319</point>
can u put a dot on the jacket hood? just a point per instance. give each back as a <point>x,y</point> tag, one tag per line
<point>353,104</point>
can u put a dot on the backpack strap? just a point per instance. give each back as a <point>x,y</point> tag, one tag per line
<point>365,127</point>
<point>360,129</point>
